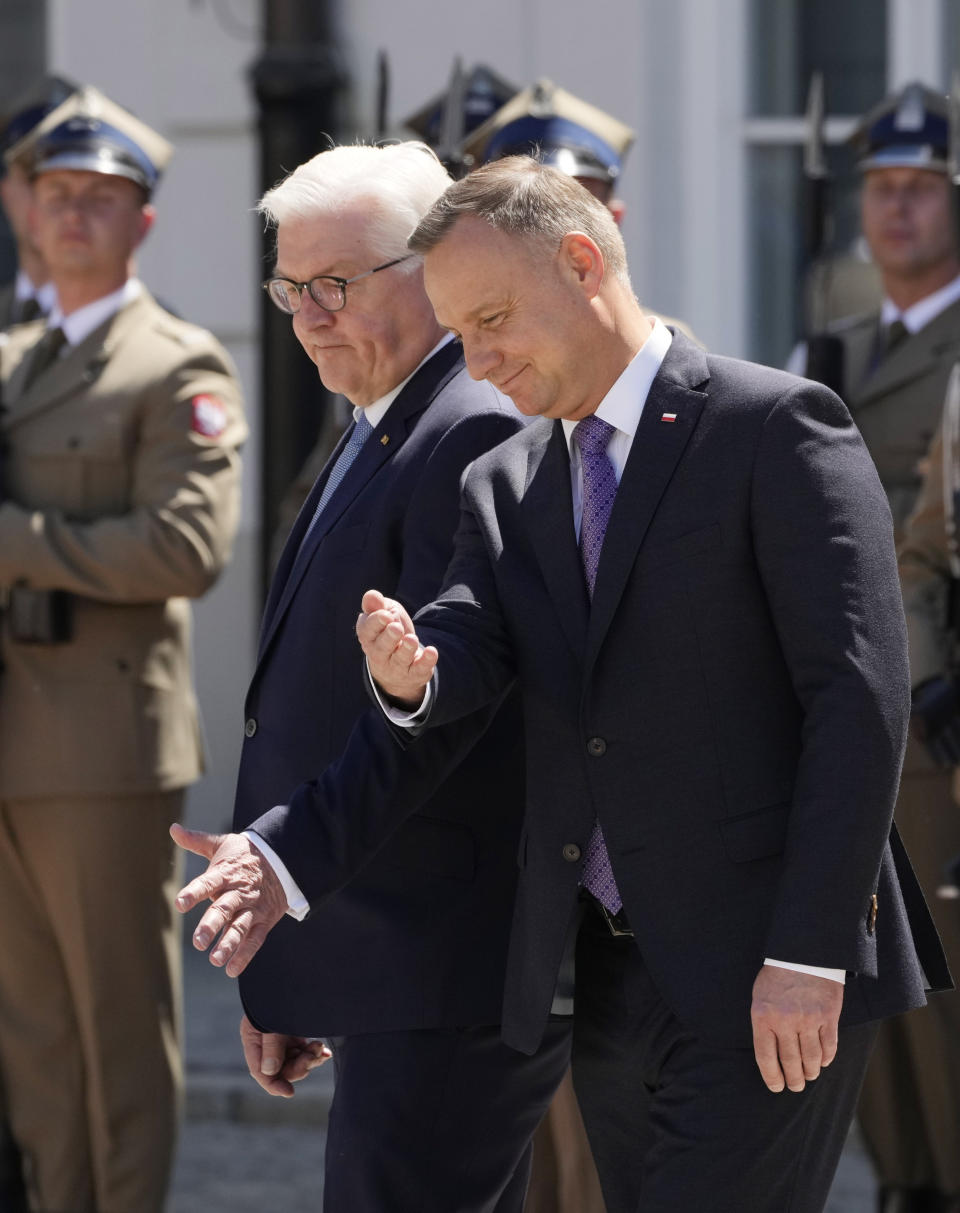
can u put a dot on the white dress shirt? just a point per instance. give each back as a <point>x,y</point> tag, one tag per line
<point>23,290</point>
<point>920,314</point>
<point>81,323</point>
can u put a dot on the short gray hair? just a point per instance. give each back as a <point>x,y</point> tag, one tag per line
<point>521,197</point>
<point>395,184</point>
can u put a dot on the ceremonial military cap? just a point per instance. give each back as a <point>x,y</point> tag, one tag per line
<point>475,95</point>
<point>911,129</point>
<point>22,113</point>
<point>557,127</point>
<point>88,131</point>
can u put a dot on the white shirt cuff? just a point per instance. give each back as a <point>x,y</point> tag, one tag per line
<point>400,716</point>
<point>830,974</point>
<point>297,905</point>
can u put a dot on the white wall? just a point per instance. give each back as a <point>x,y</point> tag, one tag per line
<point>672,69</point>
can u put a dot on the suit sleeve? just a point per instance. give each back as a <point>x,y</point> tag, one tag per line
<point>430,520</point>
<point>823,541</point>
<point>183,503</point>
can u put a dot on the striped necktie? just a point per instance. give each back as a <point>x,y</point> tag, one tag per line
<point>592,435</point>
<point>362,430</point>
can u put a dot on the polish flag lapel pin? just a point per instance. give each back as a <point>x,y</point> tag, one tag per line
<point>671,417</point>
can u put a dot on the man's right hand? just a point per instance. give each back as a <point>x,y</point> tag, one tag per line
<point>398,663</point>
<point>276,1062</point>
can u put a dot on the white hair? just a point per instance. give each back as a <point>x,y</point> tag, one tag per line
<point>396,185</point>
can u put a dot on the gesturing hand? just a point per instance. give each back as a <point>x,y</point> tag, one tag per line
<point>397,660</point>
<point>248,898</point>
<point>795,1018</point>
<point>276,1061</point>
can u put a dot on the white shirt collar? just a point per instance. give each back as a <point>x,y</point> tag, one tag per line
<point>81,323</point>
<point>376,411</point>
<point>622,407</point>
<point>46,295</point>
<point>920,314</point>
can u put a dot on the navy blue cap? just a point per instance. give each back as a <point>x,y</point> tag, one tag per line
<point>30,108</point>
<point>911,129</point>
<point>97,147</point>
<point>89,132</point>
<point>483,92</point>
<point>559,129</point>
<point>559,142</point>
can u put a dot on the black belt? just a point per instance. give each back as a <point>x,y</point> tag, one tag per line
<point>618,924</point>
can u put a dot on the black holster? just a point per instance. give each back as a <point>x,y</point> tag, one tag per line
<point>39,616</point>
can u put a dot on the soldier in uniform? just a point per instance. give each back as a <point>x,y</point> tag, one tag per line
<point>31,293</point>
<point>896,362</point>
<point>121,470</point>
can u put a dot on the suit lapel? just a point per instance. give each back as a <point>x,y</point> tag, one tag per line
<point>548,517</point>
<point>387,438</point>
<point>76,370</point>
<point>654,455</point>
<point>911,359</point>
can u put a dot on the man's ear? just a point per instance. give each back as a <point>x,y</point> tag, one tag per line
<point>148,215</point>
<point>581,256</point>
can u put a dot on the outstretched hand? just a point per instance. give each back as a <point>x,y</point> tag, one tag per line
<point>247,896</point>
<point>795,1017</point>
<point>398,663</point>
<point>276,1061</point>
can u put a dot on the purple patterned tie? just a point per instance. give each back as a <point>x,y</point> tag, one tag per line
<point>592,435</point>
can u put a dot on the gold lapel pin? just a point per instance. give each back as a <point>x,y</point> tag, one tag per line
<point>385,439</point>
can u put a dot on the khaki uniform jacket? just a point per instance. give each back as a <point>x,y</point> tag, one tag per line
<point>897,405</point>
<point>925,573</point>
<point>122,476</point>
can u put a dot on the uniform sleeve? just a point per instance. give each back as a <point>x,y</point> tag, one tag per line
<point>925,573</point>
<point>430,521</point>
<point>183,502</point>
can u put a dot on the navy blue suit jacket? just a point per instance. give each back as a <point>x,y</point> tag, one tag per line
<point>418,939</point>
<point>732,704</point>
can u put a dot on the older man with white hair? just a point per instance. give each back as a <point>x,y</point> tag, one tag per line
<point>402,968</point>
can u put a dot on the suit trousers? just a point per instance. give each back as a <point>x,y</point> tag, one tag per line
<point>90,998</point>
<point>910,1106</point>
<point>677,1123</point>
<point>436,1121</point>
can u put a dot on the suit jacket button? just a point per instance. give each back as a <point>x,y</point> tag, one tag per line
<point>250,727</point>
<point>571,852</point>
<point>596,747</point>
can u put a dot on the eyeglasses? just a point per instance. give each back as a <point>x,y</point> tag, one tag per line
<point>326,291</point>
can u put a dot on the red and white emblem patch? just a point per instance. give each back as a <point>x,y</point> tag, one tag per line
<point>209,416</point>
<point>668,416</point>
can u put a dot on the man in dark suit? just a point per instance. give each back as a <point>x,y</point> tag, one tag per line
<point>715,694</point>
<point>716,697</point>
<point>403,968</point>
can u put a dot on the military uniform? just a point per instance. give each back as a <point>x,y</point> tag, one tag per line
<point>121,482</point>
<point>122,475</point>
<point>894,384</point>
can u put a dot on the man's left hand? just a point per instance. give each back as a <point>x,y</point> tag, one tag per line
<point>248,898</point>
<point>795,1018</point>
